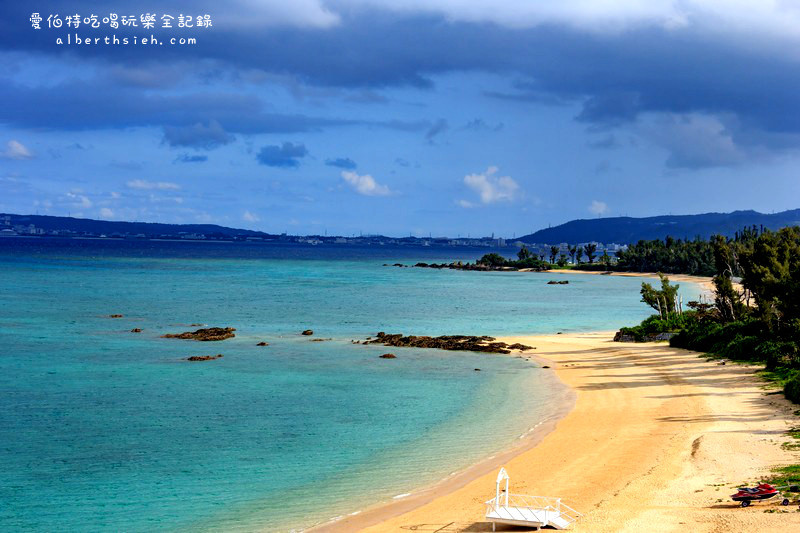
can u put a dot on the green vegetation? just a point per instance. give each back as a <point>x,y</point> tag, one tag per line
<point>665,301</point>
<point>785,475</point>
<point>652,326</point>
<point>757,321</point>
<point>524,260</point>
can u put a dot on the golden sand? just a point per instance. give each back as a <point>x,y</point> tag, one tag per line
<point>657,440</point>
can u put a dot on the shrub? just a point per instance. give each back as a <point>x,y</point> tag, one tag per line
<point>791,389</point>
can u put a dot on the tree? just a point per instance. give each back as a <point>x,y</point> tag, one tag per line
<point>562,260</point>
<point>771,272</point>
<point>605,259</point>
<point>662,300</point>
<point>523,253</point>
<point>578,253</point>
<point>727,299</point>
<point>572,250</point>
<point>590,249</point>
<point>553,253</point>
<point>494,260</point>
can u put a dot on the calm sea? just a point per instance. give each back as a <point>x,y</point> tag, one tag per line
<point>102,429</point>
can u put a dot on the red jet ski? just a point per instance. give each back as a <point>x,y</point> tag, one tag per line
<point>763,491</point>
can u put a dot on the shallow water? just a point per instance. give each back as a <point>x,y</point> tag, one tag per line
<point>104,429</point>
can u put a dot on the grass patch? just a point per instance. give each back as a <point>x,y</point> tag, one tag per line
<point>785,475</point>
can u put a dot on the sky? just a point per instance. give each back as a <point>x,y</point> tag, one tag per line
<point>400,117</point>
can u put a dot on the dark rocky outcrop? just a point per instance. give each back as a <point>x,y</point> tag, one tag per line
<point>307,332</point>
<point>204,357</point>
<point>479,267</point>
<point>561,282</point>
<point>447,342</point>
<point>388,356</point>
<point>624,337</point>
<point>136,330</point>
<point>519,346</point>
<point>203,334</point>
<point>262,344</point>
<point>115,316</point>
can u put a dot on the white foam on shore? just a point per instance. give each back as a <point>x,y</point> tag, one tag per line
<point>399,496</point>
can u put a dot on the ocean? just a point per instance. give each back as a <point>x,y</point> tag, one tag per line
<point>102,429</point>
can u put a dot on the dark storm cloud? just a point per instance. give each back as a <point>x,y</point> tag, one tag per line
<point>287,155</point>
<point>616,77</point>
<point>187,158</point>
<point>438,127</point>
<point>199,136</point>
<point>84,105</point>
<point>341,162</point>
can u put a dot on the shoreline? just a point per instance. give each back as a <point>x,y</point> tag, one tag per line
<point>419,496</point>
<point>656,440</point>
<point>704,281</point>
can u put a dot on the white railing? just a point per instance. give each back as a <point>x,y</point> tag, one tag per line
<point>512,503</point>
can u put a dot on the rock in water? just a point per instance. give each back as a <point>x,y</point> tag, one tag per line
<point>204,357</point>
<point>262,344</point>
<point>388,356</point>
<point>308,332</point>
<point>115,316</point>
<point>204,334</point>
<point>447,342</point>
<point>136,330</point>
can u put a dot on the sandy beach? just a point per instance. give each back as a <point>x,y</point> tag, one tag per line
<point>657,441</point>
<point>703,281</point>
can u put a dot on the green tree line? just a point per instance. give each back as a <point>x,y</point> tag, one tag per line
<point>755,315</point>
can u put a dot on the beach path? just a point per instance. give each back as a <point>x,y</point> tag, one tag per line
<point>657,441</point>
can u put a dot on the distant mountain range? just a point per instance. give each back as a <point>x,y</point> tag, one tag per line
<point>626,230</point>
<point>108,227</point>
<point>620,230</point>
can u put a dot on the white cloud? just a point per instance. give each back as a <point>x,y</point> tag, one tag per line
<point>105,212</point>
<point>365,184</point>
<point>491,188</point>
<point>247,216</point>
<point>598,208</point>
<point>758,18</point>
<point>16,150</point>
<point>151,185</point>
<point>79,200</point>
<point>255,13</point>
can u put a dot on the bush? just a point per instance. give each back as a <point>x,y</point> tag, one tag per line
<point>778,353</point>
<point>791,389</point>
<point>741,348</point>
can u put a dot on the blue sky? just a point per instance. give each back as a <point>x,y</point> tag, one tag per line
<point>403,116</point>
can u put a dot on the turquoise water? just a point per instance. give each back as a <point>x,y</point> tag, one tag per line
<point>102,429</point>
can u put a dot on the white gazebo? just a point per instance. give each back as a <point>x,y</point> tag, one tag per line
<point>530,511</point>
